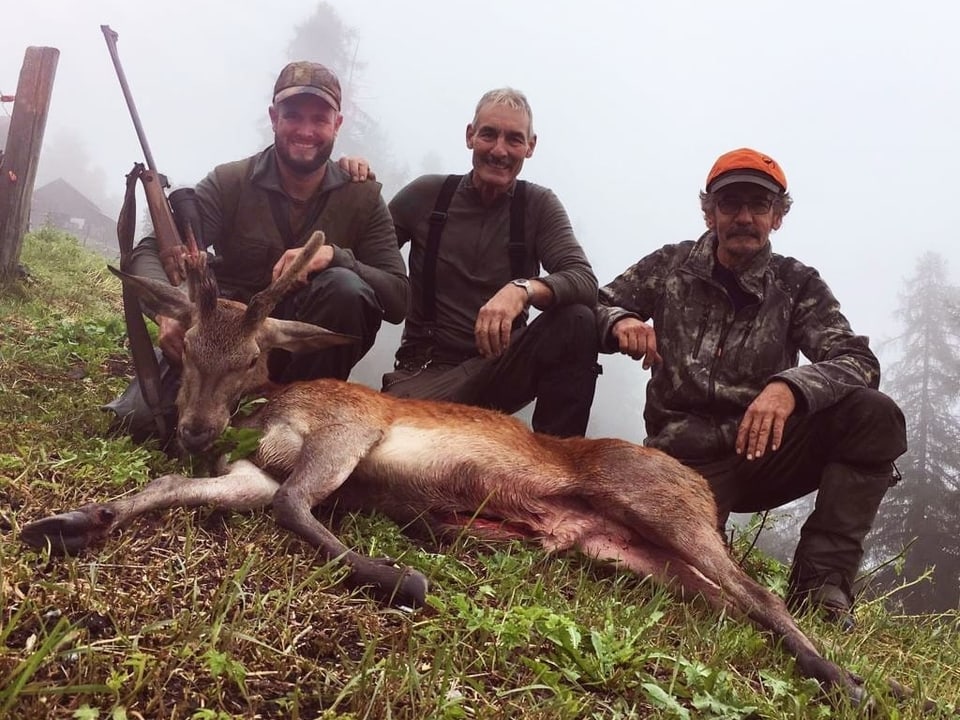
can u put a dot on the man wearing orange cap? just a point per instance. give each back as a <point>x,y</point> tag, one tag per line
<point>726,394</point>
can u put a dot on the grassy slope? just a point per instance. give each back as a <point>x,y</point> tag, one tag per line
<point>199,614</point>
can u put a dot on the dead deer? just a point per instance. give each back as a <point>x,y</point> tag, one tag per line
<point>441,466</point>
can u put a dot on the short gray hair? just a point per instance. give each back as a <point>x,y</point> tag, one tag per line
<point>509,97</point>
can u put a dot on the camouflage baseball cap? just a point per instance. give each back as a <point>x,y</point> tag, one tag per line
<point>311,78</point>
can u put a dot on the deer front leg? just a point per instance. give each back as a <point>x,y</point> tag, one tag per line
<point>243,487</point>
<point>399,586</point>
<point>70,532</point>
<point>325,463</point>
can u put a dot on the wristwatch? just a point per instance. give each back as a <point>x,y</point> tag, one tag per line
<point>526,285</point>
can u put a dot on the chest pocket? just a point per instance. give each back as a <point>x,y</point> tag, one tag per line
<point>759,343</point>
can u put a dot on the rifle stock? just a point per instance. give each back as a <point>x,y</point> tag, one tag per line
<point>169,244</point>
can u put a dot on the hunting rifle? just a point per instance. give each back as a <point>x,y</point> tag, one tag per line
<point>169,246</point>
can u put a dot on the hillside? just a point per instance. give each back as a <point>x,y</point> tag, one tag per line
<point>206,614</point>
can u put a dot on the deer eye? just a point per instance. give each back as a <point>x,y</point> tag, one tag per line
<point>253,361</point>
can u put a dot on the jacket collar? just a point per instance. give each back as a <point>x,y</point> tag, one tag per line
<point>266,175</point>
<point>703,257</point>
<point>467,185</point>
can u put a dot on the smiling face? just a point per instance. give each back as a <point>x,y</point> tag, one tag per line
<point>743,217</point>
<point>501,140</point>
<point>304,130</point>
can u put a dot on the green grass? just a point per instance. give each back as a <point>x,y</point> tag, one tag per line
<point>202,614</point>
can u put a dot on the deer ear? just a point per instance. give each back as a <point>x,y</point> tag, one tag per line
<point>299,336</point>
<point>162,298</point>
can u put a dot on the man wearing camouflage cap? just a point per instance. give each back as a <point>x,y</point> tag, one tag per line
<point>258,212</point>
<point>726,394</point>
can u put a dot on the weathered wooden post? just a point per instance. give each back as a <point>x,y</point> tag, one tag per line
<point>18,169</point>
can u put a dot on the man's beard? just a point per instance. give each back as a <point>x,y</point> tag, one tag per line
<point>304,167</point>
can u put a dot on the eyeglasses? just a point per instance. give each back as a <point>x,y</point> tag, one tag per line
<point>731,204</point>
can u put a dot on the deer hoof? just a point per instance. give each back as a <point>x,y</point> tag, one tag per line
<point>401,587</point>
<point>70,532</point>
<point>411,590</point>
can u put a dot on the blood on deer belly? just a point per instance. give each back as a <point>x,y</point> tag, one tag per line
<point>553,533</point>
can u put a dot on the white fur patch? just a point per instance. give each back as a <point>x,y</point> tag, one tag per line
<point>406,446</point>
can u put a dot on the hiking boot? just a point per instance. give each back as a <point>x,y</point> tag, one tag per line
<point>828,555</point>
<point>830,601</point>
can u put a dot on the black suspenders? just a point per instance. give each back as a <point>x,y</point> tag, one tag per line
<point>438,218</point>
<point>518,244</point>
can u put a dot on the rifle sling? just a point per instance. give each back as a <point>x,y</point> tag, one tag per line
<point>141,348</point>
<point>517,247</point>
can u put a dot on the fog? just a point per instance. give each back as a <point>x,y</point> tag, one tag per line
<point>632,102</point>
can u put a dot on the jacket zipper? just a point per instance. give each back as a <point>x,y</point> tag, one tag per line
<point>701,331</point>
<point>743,341</point>
<point>712,390</point>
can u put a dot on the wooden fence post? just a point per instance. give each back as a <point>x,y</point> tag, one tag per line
<point>18,170</point>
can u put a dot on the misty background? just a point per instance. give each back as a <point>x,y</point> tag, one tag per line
<point>632,103</point>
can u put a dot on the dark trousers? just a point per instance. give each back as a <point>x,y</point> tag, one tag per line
<point>337,299</point>
<point>845,453</point>
<point>552,360</point>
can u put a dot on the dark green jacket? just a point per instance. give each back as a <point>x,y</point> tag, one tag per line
<point>716,361</point>
<point>239,223</point>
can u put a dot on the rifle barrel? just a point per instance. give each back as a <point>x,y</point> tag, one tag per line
<point>111,37</point>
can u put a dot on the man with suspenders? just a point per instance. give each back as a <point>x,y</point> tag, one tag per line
<point>478,242</point>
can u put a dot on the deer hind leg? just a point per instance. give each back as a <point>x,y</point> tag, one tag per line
<point>326,461</point>
<point>706,569</point>
<point>669,518</point>
<point>703,550</point>
<point>652,561</point>
<point>243,487</point>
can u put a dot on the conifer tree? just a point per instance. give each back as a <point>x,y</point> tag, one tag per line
<point>924,507</point>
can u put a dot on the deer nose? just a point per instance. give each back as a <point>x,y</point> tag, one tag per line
<point>196,438</point>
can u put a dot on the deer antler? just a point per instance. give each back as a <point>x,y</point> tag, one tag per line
<point>192,249</point>
<point>264,301</point>
<point>201,283</point>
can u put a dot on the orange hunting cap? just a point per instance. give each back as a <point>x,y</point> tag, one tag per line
<point>746,165</point>
<point>311,78</point>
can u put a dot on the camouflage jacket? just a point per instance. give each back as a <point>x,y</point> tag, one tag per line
<point>716,360</point>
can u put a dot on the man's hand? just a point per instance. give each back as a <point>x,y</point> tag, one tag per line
<point>764,420</point>
<point>170,339</point>
<point>357,167</point>
<point>495,319</point>
<point>320,261</point>
<point>172,261</point>
<point>638,340</point>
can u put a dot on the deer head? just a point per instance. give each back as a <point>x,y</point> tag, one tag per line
<point>226,343</point>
